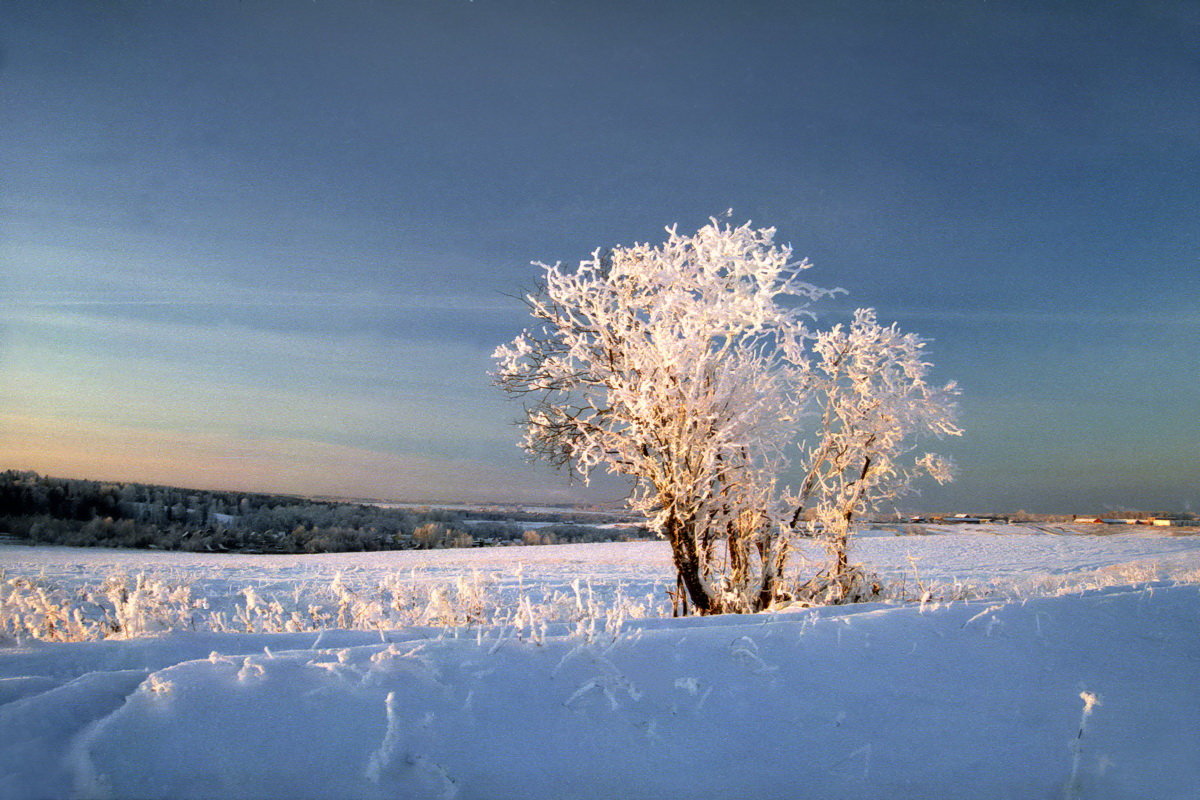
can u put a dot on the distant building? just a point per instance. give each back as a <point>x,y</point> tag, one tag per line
<point>1158,522</point>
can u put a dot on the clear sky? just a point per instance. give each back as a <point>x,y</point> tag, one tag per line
<point>271,245</point>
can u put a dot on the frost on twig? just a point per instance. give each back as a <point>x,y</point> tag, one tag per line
<point>1090,701</point>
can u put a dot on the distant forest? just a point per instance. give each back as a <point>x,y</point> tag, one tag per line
<point>85,513</point>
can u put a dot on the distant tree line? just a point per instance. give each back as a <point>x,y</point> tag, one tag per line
<point>84,513</point>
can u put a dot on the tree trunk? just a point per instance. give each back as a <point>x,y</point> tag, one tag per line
<point>774,560</point>
<point>839,556</point>
<point>687,565</point>
<point>840,544</point>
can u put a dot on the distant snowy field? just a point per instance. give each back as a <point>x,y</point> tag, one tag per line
<point>1005,557</point>
<point>582,689</point>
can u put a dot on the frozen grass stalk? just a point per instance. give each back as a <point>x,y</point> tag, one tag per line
<point>1090,701</point>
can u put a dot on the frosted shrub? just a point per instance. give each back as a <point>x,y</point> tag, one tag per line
<point>351,611</point>
<point>147,606</point>
<point>257,615</point>
<point>406,599</point>
<point>31,611</point>
<point>117,609</point>
<point>465,602</point>
<point>121,607</point>
<point>400,597</point>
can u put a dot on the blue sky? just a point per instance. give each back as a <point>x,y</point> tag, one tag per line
<point>271,245</point>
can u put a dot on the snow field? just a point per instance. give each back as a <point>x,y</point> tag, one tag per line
<point>983,698</point>
<point>65,594</point>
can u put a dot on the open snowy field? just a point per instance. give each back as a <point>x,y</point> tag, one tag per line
<point>1072,670</point>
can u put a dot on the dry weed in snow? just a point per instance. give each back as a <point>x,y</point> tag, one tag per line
<point>121,607</point>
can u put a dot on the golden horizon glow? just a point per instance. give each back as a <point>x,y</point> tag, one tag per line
<point>104,452</point>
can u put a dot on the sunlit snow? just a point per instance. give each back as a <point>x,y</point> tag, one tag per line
<point>1072,675</point>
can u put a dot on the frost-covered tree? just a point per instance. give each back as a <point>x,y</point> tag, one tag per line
<point>690,368</point>
<point>870,390</point>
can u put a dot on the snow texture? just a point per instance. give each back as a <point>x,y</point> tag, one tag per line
<point>1075,678</point>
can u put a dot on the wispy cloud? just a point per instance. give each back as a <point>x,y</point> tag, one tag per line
<point>250,463</point>
<point>14,299</point>
<point>972,315</point>
<point>225,340</point>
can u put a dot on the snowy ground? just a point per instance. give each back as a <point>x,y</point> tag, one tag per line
<point>955,699</point>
